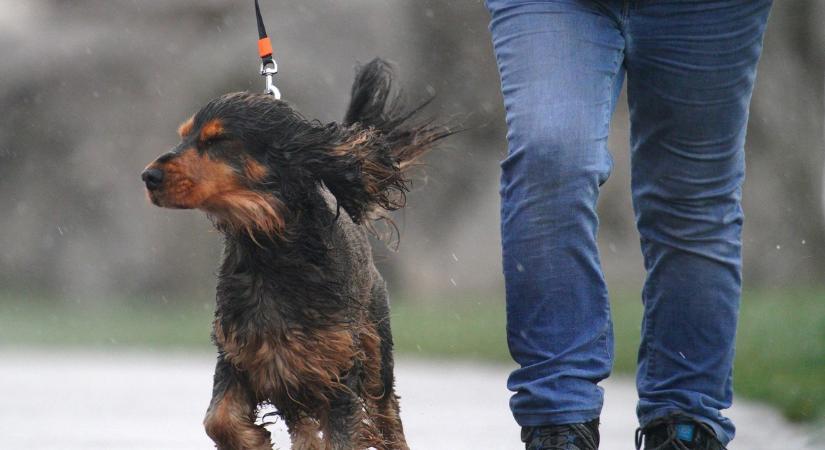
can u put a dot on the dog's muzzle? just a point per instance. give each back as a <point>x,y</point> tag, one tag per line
<point>153,178</point>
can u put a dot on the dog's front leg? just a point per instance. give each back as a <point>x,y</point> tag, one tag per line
<point>230,419</point>
<point>346,425</point>
<point>342,426</point>
<point>304,433</point>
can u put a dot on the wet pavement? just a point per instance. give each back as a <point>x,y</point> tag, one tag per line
<point>156,401</point>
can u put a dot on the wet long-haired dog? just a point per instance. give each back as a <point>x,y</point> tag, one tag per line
<point>302,316</point>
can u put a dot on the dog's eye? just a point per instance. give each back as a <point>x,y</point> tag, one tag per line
<point>212,140</point>
<point>214,143</point>
<point>218,147</point>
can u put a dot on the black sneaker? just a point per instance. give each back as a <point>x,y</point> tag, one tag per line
<point>677,432</point>
<point>576,436</point>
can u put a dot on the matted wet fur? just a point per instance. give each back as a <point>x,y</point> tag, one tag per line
<point>302,316</point>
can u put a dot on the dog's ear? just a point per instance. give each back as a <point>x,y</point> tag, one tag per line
<point>367,170</point>
<point>359,168</point>
<point>364,161</point>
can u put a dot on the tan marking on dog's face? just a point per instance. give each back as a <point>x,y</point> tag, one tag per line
<point>211,130</point>
<point>243,210</point>
<point>194,180</point>
<point>254,170</point>
<point>185,129</point>
<point>191,178</point>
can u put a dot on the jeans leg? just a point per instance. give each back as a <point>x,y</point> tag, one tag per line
<point>560,66</point>
<point>691,67</point>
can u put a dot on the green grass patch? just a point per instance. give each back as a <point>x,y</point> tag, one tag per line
<point>781,352</point>
<point>105,325</point>
<point>780,357</point>
<point>451,328</point>
<point>780,346</point>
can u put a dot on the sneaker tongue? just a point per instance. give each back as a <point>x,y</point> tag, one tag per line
<point>685,432</point>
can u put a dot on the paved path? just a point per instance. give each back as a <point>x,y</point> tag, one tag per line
<point>145,401</point>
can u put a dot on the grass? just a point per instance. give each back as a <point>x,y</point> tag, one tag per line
<point>781,352</point>
<point>451,328</point>
<point>780,357</point>
<point>780,345</point>
<point>105,326</point>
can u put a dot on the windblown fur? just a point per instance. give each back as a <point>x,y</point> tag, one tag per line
<point>302,316</point>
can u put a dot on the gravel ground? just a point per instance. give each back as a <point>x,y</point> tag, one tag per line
<point>147,401</point>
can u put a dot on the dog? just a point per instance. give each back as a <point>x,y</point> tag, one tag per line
<point>302,316</point>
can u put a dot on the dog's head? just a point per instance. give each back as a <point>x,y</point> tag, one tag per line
<point>225,164</point>
<point>247,160</point>
<point>251,162</point>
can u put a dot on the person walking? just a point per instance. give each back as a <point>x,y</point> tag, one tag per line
<point>690,67</point>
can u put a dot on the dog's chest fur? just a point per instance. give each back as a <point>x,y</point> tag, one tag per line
<point>287,317</point>
<point>297,366</point>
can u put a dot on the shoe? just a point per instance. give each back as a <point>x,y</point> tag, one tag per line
<point>677,432</point>
<point>576,436</point>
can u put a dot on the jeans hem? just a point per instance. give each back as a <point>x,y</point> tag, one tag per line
<point>664,412</point>
<point>562,418</point>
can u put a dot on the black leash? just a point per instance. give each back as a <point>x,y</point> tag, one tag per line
<point>268,65</point>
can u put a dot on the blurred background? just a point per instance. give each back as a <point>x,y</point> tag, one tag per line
<point>93,90</point>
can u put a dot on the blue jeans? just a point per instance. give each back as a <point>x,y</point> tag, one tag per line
<point>690,68</point>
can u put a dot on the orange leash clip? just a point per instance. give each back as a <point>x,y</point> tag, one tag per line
<point>268,65</point>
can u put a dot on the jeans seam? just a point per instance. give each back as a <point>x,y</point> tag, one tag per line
<point>625,10</point>
<point>608,110</point>
<point>606,116</point>
<point>606,335</point>
<point>648,333</point>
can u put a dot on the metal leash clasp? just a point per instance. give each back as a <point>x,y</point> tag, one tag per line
<point>268,70</point>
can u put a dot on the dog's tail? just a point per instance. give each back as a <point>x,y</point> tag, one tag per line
<point>382,141</point>
<point>375,105</point>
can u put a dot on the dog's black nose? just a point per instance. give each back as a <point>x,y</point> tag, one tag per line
<point>152,178</point>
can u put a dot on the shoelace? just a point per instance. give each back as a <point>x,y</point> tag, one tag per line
<point>580,430</point>
<point>672,436</point>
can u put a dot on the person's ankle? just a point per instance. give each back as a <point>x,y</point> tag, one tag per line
<point>677,431</point>
<point>577,436</point>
